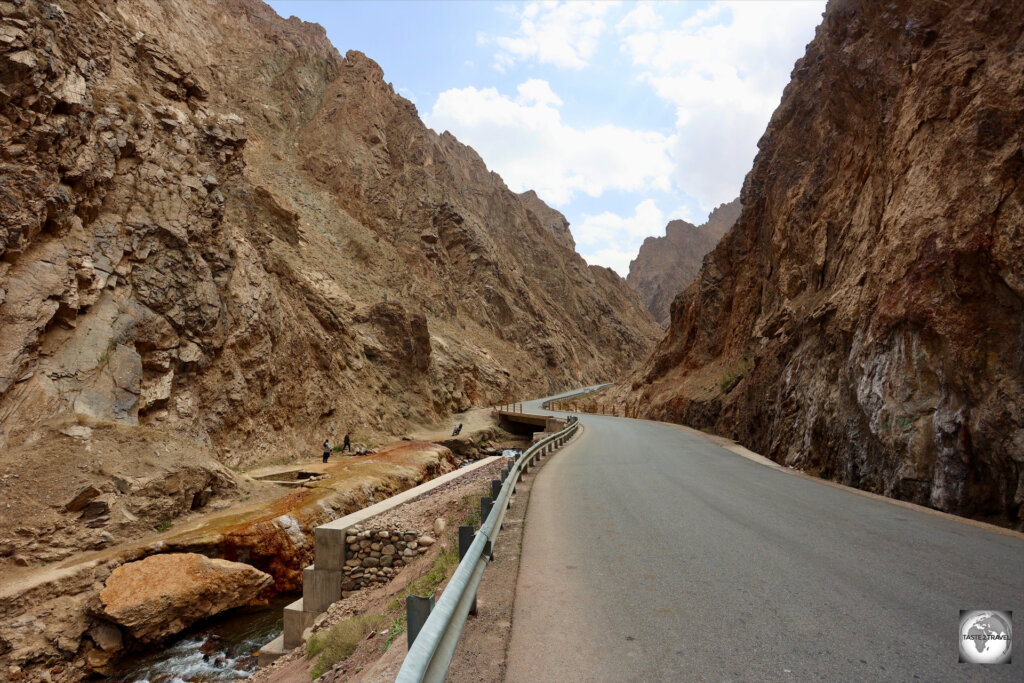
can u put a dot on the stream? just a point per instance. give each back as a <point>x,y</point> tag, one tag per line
<point>222,648</point>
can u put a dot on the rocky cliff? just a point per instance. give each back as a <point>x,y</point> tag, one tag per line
<point>213,224</point>
<point>864,318</point>
<point>664,266</point>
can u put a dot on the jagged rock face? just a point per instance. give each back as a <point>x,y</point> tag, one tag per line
<point>664,266</point>
<point>864,319</point>
<point>549,218</point>
<point>213,224</point>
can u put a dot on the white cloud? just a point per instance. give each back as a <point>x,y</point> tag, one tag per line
<point>685,213</point>
<point>564,34</point>
<point>538,91</point>
<point>611,240</point>
<point>641,18</point>
<point>605,227</point>
<point>724,69</point>
<point>616,259</point>
<point>525,140</point>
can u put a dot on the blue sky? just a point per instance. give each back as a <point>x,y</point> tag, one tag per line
<point>622,115</point>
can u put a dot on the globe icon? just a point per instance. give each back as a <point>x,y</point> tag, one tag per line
<point>985,637</point>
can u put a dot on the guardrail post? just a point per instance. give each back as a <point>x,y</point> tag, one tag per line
<point>466,534</point>
<point>495,488</point>
<point>504,474</point>
<point>486,505</point>
<point>417,609</point>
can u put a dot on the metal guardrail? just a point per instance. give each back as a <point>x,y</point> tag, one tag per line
<point>431,652</point>
<point>546,405</point>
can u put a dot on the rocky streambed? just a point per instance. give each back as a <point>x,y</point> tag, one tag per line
<point>222,648</point>
<point>57,619</point>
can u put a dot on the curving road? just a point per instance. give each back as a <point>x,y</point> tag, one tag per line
<point>652,554</point>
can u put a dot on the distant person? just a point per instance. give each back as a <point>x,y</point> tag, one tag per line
<point>327,450</point>
<point>457,430</point>
<point>347,446</point>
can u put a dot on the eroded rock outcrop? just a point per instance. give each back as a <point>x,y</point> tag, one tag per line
<point>230,231</point>
<point>222,241</point>
<point>864,318</point>
<point>165,594</point>
<point>664,266</point>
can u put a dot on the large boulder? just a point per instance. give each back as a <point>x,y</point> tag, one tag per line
<point>164,594</point>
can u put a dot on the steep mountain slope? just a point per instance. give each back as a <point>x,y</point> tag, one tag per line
<point>215,223</point>
<point>664,266</point>
<point>214,227</point>
<point>864,318</point>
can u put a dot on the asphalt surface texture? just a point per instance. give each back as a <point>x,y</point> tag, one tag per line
<point>652,554</point>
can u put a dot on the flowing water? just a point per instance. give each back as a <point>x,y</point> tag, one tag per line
<point>222,648</point>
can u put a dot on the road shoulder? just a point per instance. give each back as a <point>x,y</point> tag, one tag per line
<point>482,654</point>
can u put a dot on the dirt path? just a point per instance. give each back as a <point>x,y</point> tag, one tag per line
<point>475,420</point>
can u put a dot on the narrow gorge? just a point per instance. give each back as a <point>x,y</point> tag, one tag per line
<point>863,320</point>
<point>227,248</point>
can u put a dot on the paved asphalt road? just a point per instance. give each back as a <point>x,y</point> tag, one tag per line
<point>651,554</point>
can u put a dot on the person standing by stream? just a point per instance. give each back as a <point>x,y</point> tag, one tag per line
<point>347,446</point>
<point>327,450</point>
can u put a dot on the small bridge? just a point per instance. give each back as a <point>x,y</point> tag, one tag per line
<point>512,419</point>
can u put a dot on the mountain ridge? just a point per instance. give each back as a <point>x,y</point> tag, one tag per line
<point>665,265</point>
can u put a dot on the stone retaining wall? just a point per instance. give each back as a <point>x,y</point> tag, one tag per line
<point>373,555</point>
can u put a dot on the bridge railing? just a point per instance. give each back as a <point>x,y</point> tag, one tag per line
<point>552,403</point>
<point>433,646</point>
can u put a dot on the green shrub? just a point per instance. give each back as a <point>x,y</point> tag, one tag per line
<point>341,640</point>
<point>397,629</point>
<point>731,378</point>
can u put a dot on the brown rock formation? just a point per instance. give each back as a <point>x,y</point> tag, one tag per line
<point>550,219</point>
<point>215,226</point>
<point>664,266</point>
<point>864,318</point>
<point>164,594</point>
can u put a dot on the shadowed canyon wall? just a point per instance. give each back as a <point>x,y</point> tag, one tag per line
<point>864,318</point>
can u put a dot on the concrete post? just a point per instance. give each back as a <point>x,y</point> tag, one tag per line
<point>296,621</point>
<point>320,588</point>
<point>329,548</point>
